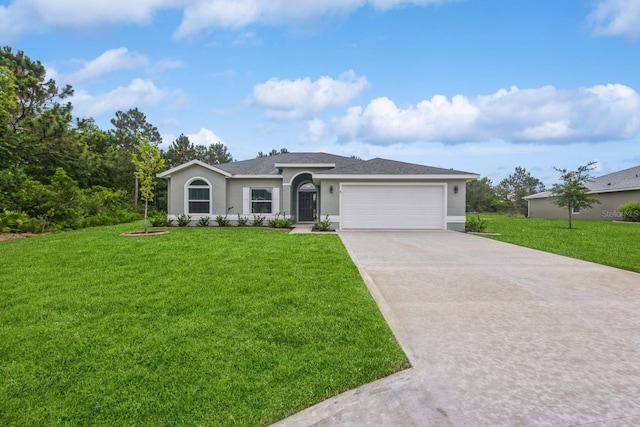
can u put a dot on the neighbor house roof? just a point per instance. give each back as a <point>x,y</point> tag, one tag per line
<point>332,166</point>
<point>624,180</point>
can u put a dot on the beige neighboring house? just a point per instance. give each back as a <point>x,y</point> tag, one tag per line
<point>612,190</point>
<point>352,193</point>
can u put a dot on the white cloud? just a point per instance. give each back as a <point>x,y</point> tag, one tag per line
<point>289,99</point>
<point>616,18</point>
<point>138,93</point>
<point>547,114</point>
<point>22,16</point>
<point>316,131</point>
<point>204,137</point>
<point>201,14</point>
<point>40,15</point>
<point>109,61</point>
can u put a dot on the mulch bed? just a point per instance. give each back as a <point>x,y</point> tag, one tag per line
<point>13,236</point>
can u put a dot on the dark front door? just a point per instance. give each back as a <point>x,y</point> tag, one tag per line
<point>306,206</point>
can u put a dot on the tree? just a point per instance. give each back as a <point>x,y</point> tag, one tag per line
<point>34,92</point>
<point>147,161</point>
<point>180,151</point>
<point>481,196</point>
<point>37,121</point>
<point>515,187</point>
<point>273,152</point>
<point>127,125</point>
<point>8,103</point>
<point>573,193</point>
<point>214,154</point>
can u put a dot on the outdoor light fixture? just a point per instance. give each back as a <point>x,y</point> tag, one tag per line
<point>331,189</point>
<point>455,189</point>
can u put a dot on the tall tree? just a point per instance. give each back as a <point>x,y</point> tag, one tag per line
<point>8,103</point>
<point>37,119</point>
<point>481,196</point>
<point>35,93</point>
<point>147,161</point>
<point>515,187</point>
<point>214,154</point>
<point>572,193</point>
<point>126,127</point>
<point>180,151</point>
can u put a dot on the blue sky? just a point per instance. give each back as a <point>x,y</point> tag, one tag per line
<point>476,85</point>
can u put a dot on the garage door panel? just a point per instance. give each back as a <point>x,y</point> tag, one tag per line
<point>392,206</point>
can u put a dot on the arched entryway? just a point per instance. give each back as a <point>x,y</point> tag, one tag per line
<point>307,202</point>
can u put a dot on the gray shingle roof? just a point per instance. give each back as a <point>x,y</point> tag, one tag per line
<point>617,181</point>
<point>379,166</point>
<point>266,165</point>
<point>263,166</point>
<point>627,179</point>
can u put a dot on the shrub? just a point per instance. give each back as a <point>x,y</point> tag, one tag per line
<point>19,222</point>
<point>630,211</point>
<point>160,219</point>
<point>258,221</point>
<point>222,220</point>
<point>277,222</point>
<point>322,225</point>
<point>203,222</point>
<point>475,224</point>
<point>184,220</point>
<point>242,220</point>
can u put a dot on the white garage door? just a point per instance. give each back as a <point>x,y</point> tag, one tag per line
<point>403,206</point>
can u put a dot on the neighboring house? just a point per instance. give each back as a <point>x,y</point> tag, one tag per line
<point>353,193</point>
<point>612,190</point>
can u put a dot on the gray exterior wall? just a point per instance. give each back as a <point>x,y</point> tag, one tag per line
<point>234,192</point>
<point>607,209</point>
<point>177,189</point>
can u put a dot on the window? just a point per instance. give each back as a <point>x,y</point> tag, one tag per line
<point>575,210</point>
<point>261,200</point>
<point>199,197</point>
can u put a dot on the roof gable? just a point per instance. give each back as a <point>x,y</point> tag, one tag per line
<point>168,173</point>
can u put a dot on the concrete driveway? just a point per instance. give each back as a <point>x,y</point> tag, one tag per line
<point>496,335</point>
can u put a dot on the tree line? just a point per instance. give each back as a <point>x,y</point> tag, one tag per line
<point>571,192</point>
<point>507,196</point>
<point>60,171</point>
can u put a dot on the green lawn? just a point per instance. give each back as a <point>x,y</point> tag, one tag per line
<point>603,242</point>
<point>199,327</point>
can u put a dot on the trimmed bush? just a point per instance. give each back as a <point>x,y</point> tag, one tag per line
<point>322,225</point>
<point>630,211</point>
<point>475,224</point>
<point>280,222</point>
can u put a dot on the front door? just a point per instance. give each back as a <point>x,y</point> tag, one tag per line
<point>306,206</point>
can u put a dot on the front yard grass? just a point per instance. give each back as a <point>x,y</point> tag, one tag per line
<point>600,241</point>
<point>203,326</point>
